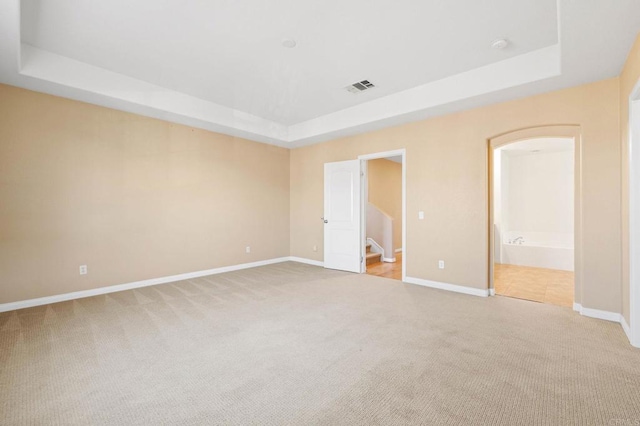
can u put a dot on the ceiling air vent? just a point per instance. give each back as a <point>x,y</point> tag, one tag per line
<point>360,86</point>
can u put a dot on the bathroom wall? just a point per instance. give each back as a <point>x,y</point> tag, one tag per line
<point>539,198</point>
<point>534,200</point>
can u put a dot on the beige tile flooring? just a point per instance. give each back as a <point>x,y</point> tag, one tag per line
<point>537,284</point>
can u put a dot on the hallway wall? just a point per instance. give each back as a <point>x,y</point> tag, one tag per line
<point>385,191</point>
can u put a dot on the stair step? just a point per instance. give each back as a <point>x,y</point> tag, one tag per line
<point>373,258</point>
<point>368,248</point>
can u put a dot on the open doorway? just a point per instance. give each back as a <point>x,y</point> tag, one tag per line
<point>383,214</point>
<point>346,243</point>
<point>383,217</point>
<point>533,220</point>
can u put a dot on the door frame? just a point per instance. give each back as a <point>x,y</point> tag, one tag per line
<point>552,131</point>
<point>634,211</point>
<point>363,202</point>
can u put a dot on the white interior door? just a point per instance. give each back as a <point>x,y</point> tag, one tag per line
<point>342,245</point>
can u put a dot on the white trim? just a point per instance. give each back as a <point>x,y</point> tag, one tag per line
<point>634,211</point>
<point>404,213</point>
<point>307,261</point>
<point>597,313</point>
<point>12,306</point>
<point>626,329</point>
<point>398,250</point>
<point>482,292</point>
<point>389,259</point>
<point>364,205</point>
<point>385,154</point>
<point>492,292</point>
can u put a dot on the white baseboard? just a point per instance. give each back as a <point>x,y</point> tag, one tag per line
<point>449,287</point>
<point>627,331</point>
<point>492,292</point>
<point>307,261</point>
<point>398,250</point>
<point>389,259</point>
<point>597,313</point>
<point>136,284</point>
<point>588,312</point>
<point>625,327</point>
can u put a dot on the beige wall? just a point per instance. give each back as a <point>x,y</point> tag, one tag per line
<point>137,198</point>
<point>132,197</point>
<point>385,192</point>
<point>628,79</point>
<point>447,177</point>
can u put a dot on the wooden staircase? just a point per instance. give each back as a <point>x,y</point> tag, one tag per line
<point>372,257</point>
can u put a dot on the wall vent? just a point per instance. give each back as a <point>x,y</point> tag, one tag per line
<point>360,86</point>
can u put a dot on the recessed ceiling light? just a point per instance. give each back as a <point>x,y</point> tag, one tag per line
<point>289,43</point>
<point>499,44</point>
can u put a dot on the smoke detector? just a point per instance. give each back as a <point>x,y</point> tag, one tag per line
<point>499,44</point>
<point>289,43</point>
<point>360,86</point>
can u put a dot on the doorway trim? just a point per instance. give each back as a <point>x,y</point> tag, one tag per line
<point>551,131</point>
<point>634,222</point>
<point>363,207</point>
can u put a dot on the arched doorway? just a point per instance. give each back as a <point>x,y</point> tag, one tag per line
<point>530,258</point>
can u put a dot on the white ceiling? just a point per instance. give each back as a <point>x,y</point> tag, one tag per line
<point>538,145</point>
<point>229,52</point>
<point>219,65</point>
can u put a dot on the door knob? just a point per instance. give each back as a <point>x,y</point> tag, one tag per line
<point>324,220</point>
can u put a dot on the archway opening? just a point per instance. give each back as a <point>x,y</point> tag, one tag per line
<point>548,132</point>
<point>533,220</point>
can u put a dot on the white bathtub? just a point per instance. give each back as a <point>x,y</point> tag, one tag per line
<point>540,255</point>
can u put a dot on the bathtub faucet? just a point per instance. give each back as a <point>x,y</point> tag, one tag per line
<point>518,240</point>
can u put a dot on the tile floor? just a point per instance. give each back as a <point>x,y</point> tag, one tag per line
<point>537,284</point>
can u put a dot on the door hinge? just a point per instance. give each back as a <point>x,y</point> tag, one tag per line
<point>361,259</point>
<point>361,174</point>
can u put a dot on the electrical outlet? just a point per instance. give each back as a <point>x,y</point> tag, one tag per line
<point>83,270</point>
<point>315,248</point>
<point>248,249</point>
<point>421,215</point>
<point>441,264</point>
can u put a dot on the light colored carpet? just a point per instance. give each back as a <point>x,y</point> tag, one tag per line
<point>296,344</point>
